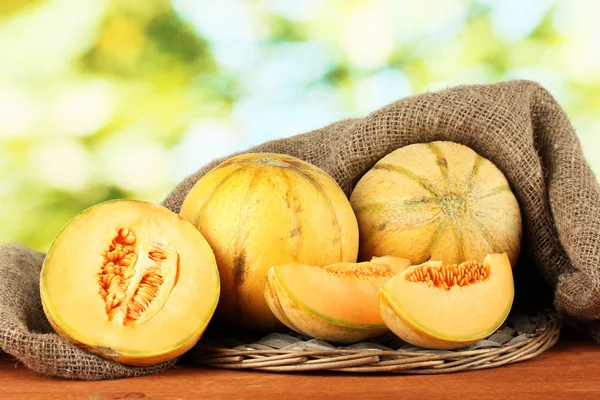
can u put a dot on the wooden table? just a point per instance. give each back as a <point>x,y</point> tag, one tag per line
<point>567,371</point>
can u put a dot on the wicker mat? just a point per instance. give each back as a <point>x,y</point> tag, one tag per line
<point>521,338</point>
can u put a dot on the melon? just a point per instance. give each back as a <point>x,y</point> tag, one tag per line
<point>131,282</point>
<point>338,302</point>
<point>438,201</point>
<point>260,210</point>
<point>438,306</point>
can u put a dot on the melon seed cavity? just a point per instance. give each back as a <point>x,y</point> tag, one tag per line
<point>135,282</point>
<point>445,277</point>
<point>360,270</point>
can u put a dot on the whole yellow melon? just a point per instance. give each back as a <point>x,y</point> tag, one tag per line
<point>261,210</point>
<point>438,201</point>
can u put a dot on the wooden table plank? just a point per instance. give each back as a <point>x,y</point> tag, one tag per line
<point>567,371</point>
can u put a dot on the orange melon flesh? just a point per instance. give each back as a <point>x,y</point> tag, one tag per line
<point>338,302</point>
<point>175,319</point>
<point>436,317</point>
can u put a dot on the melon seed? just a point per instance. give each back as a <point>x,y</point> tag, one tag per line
<point>359,270</point>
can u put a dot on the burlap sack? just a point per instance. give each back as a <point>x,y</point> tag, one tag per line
<point>517,125</point>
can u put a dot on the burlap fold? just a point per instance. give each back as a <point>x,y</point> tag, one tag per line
<point>517,125</point>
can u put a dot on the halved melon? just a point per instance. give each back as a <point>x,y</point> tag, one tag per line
<point>338,302</point>
<point>447,307</point>
<point>131,282</point>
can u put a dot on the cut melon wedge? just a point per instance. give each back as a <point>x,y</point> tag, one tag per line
<point>448,307</point>
<point>338,302</point>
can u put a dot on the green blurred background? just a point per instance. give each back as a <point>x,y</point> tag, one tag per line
<point>123,99</point>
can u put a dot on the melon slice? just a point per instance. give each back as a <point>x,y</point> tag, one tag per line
<point>447,307</point>
<point>338,302</point>
<point>131,282</point>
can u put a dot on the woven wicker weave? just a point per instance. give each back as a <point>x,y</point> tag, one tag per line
<point>520,338</point>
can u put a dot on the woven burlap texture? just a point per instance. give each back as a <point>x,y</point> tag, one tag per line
<point>517,125</point>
